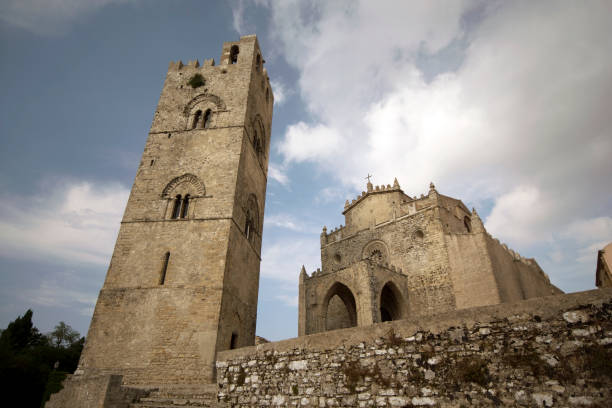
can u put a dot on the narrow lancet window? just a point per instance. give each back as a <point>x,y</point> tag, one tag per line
<point>177,207</point>
<point>162,276</point>
<point>258,61</point>
<point>196,119</point>
<point>185,207</point>
<point>248,229</point>
<point>207,115</point>
<point>233,341</point>
<point>234,54</point>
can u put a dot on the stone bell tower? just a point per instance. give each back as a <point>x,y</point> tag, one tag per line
<point>184,276</point>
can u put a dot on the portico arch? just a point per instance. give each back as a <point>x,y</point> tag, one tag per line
<point>391,303</point>
<point>340,308</point>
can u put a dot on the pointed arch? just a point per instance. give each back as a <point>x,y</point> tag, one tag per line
<point>391,302</point>
<point>196,185</point>
<point>259,135</point>
<point>252,220</point>
<point>339,307</point>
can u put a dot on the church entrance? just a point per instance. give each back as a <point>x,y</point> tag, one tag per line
<point>390,303</point>
<point>341,310</point>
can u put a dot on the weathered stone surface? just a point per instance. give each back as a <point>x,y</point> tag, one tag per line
<point>399,256</point>
<point>507,367</point>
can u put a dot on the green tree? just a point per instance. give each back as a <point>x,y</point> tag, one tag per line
<point>63,335</point>
<point>21,333</point>
<point>32,364</point>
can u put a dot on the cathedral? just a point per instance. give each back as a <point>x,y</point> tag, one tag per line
<point>399,256</point>
<point>183,280</point>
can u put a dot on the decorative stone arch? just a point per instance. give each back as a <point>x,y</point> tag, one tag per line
<point>391,303</point>
<point>258,135</point>
<point>376,251</point>
<point>201,104</point>
<point>339,307</point>
<point>252,219</point>
<point>193,186</point>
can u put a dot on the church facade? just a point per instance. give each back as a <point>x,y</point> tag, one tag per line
<point>400,256</point>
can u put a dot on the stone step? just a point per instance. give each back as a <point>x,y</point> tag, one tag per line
<point>175,397</point>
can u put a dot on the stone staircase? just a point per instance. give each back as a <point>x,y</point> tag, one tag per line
<point>180,396</point>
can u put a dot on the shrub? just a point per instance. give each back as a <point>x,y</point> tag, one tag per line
<point>196,81</point>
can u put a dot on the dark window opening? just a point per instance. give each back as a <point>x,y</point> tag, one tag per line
<point>234,54</point>
<point>233,341</point>
<point>390,303</point>
<point>162,276</point>
<point>196,119</point>
<point>177,207</point>
<point>468,224</point>
<point>152,161</point>
<point>185,206</point>
<point>256,141</point>
<point>267,95</point>
<point>207,115</point>
<point>258,61</point>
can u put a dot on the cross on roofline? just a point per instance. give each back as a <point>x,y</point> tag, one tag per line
<point>368,177</point>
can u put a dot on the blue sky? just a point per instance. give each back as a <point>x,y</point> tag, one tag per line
<point>504,105</point>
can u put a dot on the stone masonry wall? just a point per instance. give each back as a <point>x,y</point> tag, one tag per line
<point>543,352</point>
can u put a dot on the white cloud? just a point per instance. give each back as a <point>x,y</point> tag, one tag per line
<point>519,118</point>
<point>54,294</point>
<point>48,16</point>
<point>594,229</point>
<point>283,221</point>
<point>331,194</point>
<point>280,92</point>
<point>278,174</point>
<point>523,216</point>
<point>283,259</point>
<point>289,300</point>
<point>74,222</point>
<point>238,16</point>
<point>304,142</point>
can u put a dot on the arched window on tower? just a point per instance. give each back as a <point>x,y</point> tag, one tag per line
<point>258,62</point>
<point>164,269</point>
<point>234,341</point>
<point>196,119</point>
<point>185,206</point>
<point>251,223</point>
<point>177,207</point>
<point>234,54</point>
<point>207,116</point>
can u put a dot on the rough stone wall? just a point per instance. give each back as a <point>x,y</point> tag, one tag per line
<point>544,352</point>
<point>168,332</point>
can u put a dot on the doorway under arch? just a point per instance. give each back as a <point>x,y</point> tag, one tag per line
<point>390,303</point>
<point>340,308</point>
